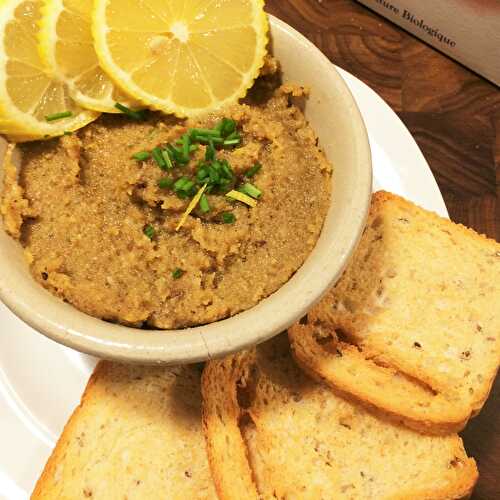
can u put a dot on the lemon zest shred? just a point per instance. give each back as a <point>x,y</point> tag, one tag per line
<point>191,206</point>
<point>237,195</point>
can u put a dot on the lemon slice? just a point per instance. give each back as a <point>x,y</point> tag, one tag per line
<point>181,56</point>
<point>67,48</point>
<point>29,93</point>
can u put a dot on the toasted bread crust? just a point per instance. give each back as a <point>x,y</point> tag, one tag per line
<point>364,319</point>
<point>224,437</point>
<point>42,489</point>
<point>372,385</point>
<point>221,413</point>
<point>136,433</point>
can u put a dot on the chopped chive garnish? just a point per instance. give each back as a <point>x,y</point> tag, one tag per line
<point>58,116</point>
<point>178,154</point>
<point>141,155</point>
<point>231,142</point>
<point>67,132</point>
<point>139,114</point>
<point>149,231</point>
<point>186,142</point>
<point>167,159</point>
<point>179,183</point>
<point>204,206</point>
<point>253,170</point>
<point>250,190</point>
<point>187,186</point>
<point>165,182</point>
<point>210,152</point>
<point>233,135</point>
<point>227,170</point>
<point>201,173</point>
<point>206,140</point>
<point>228,218</point>
<point>158,157</point>
<point>207,132</point>
<point>213,174</point>
<point>177,273</point>
<point>226,126</point>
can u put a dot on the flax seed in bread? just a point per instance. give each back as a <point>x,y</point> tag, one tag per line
<point>136,434</point>
<point>274,433</point>
<point>413,325</point>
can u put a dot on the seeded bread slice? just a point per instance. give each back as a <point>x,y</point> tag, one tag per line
<point>414,322</point>
<point>273,433</point>
<point>136,434</point>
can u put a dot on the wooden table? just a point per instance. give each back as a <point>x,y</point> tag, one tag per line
<point>453,114</point>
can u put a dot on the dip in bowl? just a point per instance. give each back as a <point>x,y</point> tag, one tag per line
<point>270,292</point>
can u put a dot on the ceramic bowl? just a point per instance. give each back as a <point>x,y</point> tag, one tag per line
<point>334,116</point>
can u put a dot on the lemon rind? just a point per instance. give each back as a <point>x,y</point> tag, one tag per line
<point>47,38</point>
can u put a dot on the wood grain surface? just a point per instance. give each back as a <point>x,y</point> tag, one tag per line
<point>453,114</point>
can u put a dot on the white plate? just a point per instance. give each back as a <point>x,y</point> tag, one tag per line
<point>41,381</point>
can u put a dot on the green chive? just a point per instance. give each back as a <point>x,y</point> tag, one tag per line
<point>213,174</point>
<point>186,142</point>
<point>201,173</point>
<point>67,132</point>
<point>165,182</point>
<point>228,217</point>
<point>226,168</point>
<point>187,186</point>
<point>179,183</point>
<point>158,157</point>
<point>204,206</point>
<point>166,157</point>
<point>226,126</point>
<point>58,116</point>
<point>206,140</point>
<point>253,170</point>
<point>177,273</point>
<point>207,132</point>
<point>217,166</point>
<point>232,142</point>
<point>178,155</point>
<point>149,231</point>
<point>233,135</point>
<point>250,190</point>
<point>210,152</point>
<point>141,155</point>
<point>139,114</point>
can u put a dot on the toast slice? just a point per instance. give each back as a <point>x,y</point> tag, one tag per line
<point>413,325</point>
<point>273,433</point>
<point>136,434</point>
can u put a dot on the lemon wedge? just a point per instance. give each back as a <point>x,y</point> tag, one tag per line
<point>184,57</point>
<point>33,104</point>
<point>67,48</point>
